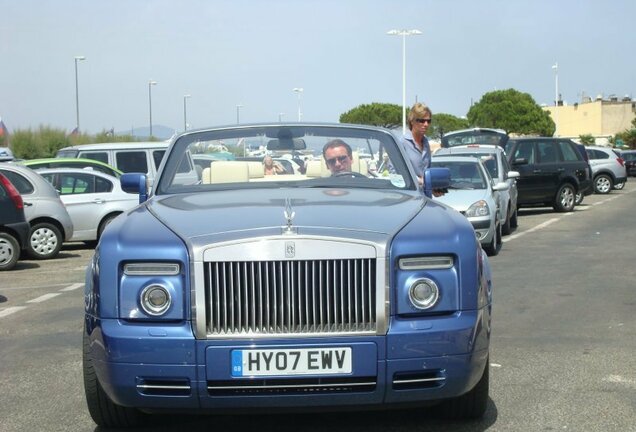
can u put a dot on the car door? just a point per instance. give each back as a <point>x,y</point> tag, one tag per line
<point>529,183</point>
<point>549,169</point>
<point>85,205</point>
<point>512,182</point>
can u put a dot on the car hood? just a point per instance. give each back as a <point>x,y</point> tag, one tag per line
<point>462,199</point>
<point>243,213</point>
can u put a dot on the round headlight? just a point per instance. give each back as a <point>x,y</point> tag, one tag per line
<point>424,293</point>
<point>155,300</point>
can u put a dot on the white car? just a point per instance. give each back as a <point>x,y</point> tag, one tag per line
<point>495,160</point>
<point>608,169</point>
<point>473,193</point>
<point>92,199</point>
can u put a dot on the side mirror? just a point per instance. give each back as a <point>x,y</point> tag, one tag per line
<point>135,183</point>
<point>513,174</point>
<point>436,178</point>
<point>520,161</point>
<point>500,186</point>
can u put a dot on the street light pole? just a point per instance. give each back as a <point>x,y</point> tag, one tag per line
<point>238,116</point>
<point>555,66</point>
<point>299,91</point>
<point>404,34</point>
<point>185,113</point>
<point>280,117</point>
<point>150,84</point>
<point>77,58</point>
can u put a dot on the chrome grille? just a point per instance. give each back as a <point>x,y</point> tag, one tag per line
<point>290,297</point>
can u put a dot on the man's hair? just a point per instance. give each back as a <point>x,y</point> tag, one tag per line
<point>419,110</point>
<point>337,142</point>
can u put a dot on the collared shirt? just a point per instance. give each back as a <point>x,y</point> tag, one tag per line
<point>420,160</point>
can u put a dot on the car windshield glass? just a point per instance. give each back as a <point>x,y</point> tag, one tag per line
<point>474,137</point>
<point>463,174</point>
<point>286,156</point>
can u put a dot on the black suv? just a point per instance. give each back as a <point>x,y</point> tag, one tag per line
<point>14,229</point>
<point>552,171</point>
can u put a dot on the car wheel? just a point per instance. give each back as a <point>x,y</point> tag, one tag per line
<point>103,224</point>
<point>104,412</point>
<point>578,200</point>
<point>506,229</point>
<point>45,241</point>
<point>603,184</point>
<point>565,198</point>
<point>9,251</point>
<point>619,186</point>
<point>493,248</point>
<point>514,222</point>
<point>471,405</point>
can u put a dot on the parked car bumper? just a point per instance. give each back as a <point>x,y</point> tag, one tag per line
<point>152,367</point>
<point>484,228</point>
<point>22,230</point>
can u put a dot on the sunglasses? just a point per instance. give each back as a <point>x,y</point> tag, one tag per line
<point>340,159</point>
<point>423,121</point>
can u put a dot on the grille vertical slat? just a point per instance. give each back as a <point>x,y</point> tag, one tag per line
<point>282,297</point>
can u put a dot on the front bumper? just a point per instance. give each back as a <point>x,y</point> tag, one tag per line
<point>166,369</point>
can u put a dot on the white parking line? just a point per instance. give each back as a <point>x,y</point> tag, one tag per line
<point>535,228</point>
<point>72,287</point>
<point>10,310</point>
<point>45,297</point>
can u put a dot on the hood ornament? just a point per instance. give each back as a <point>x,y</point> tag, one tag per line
<point>289,217</point>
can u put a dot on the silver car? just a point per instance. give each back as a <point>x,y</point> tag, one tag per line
<point>608,169</point>
<point>50,222</point>
<point>92,198</point>
<point>474,194</point>
<point>495,160</point>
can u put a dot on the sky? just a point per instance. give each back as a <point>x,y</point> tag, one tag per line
<point>254,53</point>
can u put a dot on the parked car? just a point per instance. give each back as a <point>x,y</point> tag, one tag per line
<point>14,228</point>
<point>580,195</point>
<point>6,154</point>
<point>92,199</point>
<point>473,193</point>
<point>629,156</point>
<point>50,222</point>
<point>551,171</point>
<point>608,169</point>
<point>495,160</point>
<point>489,136</point>
<point>253,292</point>
<point>63,162</point>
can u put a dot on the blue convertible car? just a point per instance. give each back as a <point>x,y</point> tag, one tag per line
<point>230,289</point>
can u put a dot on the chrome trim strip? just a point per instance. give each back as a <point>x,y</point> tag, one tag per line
<point>164,387</point>
<point>268,387</point>
<point>151,269</point>
<point>409,381</point>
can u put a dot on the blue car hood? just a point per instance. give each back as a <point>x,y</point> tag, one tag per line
<point>314,210</point>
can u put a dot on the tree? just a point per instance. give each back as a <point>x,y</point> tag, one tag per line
<point>375,114</point>
<point>444,123</point>
<point>587,139</point>
<point>512,111</point>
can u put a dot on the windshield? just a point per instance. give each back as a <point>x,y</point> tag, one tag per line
<point>463,174</point>
<point>286,156</point>
<point>478,136</point>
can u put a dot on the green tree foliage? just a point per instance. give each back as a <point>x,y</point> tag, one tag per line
<point>444,123</point>
<point>587,139</point>
<point>628,137</point>
<point>513,111</point>
<point>375,114</point>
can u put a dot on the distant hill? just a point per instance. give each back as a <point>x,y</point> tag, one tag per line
<point>159,131</point>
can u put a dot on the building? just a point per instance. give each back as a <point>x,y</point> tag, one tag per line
<point>601,118</point>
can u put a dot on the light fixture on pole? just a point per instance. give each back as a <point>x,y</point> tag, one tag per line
<point>150,84</point>
<point>299,91</point>
<point>185,112</point>
<point>555,66</point>
<point>238,117</point>
<point>404,34</point>
<point>77,126</point>
<point>280,117</point>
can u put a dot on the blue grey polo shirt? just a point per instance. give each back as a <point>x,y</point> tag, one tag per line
<point>419,160</point>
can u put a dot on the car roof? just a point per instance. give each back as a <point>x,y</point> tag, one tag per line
<point>78,171</point>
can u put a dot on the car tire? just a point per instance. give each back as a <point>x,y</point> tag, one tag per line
<point>104,412</point>
<point>493,248</point>
<point>471,405</point>
<point>9,251</point>
<point>103,224</point>
<point>507,229</point>
<point>565,198</point>
<point>578,200</point>
<point>603,184</point>
<point>45,241</point>
<point>619,186</point>
<point>514,222</point>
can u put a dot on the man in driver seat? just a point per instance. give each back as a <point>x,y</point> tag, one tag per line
<point>338,156</point>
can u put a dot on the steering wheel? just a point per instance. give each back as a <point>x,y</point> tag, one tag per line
<point>350,174</point>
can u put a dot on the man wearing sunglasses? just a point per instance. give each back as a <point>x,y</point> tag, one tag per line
<point>338,156</point>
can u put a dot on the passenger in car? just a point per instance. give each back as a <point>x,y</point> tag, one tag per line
<point>338,156</point>
<point>272,168</point>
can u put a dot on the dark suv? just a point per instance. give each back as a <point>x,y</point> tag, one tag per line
<point>14,229</point>
<point>552,171</point>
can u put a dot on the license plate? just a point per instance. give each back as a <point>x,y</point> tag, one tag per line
<point>301,361</point>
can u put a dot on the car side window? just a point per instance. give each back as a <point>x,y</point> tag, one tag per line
<point>103,185</point>
<point>157,156</point>
<point>99,156</point>
<point>132,161</point>
<point>569,152</point>
<point>72,184</point>
<point>525,150</point>
<point>506,167</point>
<point>547,152</point>
<point>21,184</point>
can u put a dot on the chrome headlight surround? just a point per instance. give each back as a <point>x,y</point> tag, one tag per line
<point>478,209</point>
<point>424,293</point>
<point>155,299</point>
